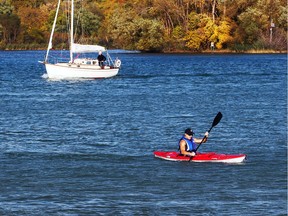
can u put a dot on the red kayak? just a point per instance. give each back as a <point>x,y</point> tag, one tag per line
<point>202,157</point>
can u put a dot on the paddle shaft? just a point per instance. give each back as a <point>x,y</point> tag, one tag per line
<point>203,139</point>
<point>215,122</point>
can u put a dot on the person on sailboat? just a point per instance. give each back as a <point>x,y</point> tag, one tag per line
<point>187,144</point>
<point>101,59</point>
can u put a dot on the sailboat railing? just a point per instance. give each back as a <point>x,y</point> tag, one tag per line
<point>63,57</point>
<point>109,59</point>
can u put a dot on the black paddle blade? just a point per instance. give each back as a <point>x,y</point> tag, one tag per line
<point>217,119</point>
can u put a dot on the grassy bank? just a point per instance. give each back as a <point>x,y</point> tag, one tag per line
<point>10,47</point>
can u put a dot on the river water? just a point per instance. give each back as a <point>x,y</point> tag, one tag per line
<point>85,147</point>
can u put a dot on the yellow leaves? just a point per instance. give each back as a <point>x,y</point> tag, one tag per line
<point>194,39</point>
<point>224,34</point>
<point>206,31</point>
<point>32,17</point>
<point>197,38</point>
<point>171,24</point>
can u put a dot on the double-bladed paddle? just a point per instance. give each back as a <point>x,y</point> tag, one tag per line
<point>217,119</point>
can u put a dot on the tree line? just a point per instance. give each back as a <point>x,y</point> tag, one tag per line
<point>150,25</point>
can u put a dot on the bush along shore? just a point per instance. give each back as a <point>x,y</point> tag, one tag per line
<point>23,47</point>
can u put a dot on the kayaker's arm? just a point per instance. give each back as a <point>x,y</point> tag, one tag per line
<point>198,141</point>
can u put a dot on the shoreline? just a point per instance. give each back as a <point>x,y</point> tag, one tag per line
<point>231,52</point>
<point>185,51</point>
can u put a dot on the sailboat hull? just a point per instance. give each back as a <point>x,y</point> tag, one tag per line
<point>79,68</point>
<point>74,71</point>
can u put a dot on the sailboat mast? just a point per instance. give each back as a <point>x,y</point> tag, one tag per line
<point>72,30</point>
<point>52,32</point>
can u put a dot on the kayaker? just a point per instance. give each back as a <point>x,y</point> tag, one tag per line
<point>187,144</point>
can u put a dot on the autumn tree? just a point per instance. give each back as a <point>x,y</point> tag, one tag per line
<point>200,31</point>
<point>9,22</point>
<point>32,19</point>
<point>255,25</point>
<point>151,25</point>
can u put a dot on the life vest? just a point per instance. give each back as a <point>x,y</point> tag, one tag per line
<point>190,145</point>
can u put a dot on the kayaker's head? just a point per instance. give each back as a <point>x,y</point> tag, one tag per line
<point>189,132</point>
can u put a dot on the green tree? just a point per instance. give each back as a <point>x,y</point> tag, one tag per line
<point>6,8</point>
<point>119,28</point>
<point>149,35</point>
<point>176,40</point>
<point>88,24</point>
<point>253,22</point>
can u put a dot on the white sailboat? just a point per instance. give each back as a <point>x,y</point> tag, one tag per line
<point>75,67</point>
